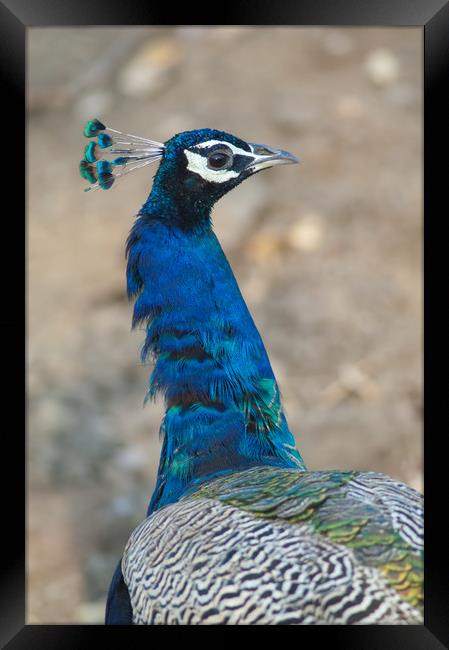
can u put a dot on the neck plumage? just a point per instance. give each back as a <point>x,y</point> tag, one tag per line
<point>223,408</point>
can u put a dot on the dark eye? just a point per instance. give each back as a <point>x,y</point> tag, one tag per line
<point>220,159</point>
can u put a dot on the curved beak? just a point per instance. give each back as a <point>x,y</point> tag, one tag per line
<point>265,156</point>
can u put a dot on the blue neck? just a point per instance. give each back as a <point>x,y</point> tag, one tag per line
<point>223,409</point>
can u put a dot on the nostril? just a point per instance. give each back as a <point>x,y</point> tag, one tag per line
<point>262,150</point>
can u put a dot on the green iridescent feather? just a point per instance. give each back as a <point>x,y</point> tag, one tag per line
<point>323,501</point>
<point>90,152</point>
<point>93,128</point>
<point>87,171</point>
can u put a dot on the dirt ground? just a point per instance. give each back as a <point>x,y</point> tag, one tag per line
<point>327,254</point>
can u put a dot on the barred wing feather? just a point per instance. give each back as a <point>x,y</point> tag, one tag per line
<point>277,546</point>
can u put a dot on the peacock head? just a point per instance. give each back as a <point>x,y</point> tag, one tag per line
<point>206,163</point>
<point>200,164</point>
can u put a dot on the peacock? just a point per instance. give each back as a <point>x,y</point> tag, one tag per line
<point>238,531</point>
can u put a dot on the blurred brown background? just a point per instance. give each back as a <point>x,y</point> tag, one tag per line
<point>327,254</point>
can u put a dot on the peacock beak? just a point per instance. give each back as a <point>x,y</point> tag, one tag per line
<point>265,156</point>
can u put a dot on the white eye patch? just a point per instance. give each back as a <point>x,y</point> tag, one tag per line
<point>232,147</point>
<point>198,163</point>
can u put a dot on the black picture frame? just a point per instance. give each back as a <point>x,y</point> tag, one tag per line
<point>433,16</point>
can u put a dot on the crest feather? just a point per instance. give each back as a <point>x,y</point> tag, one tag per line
<point>101,165</point>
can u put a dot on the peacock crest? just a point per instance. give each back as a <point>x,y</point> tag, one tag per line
<point>113,154</point>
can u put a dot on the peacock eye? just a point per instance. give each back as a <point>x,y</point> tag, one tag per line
<point>220,159</point>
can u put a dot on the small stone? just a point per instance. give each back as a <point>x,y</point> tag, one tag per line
<point>351,377</point>
<point>382,67</point>
<point>307,233</point>
<point>356,382</point>
<point>352,382</point>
